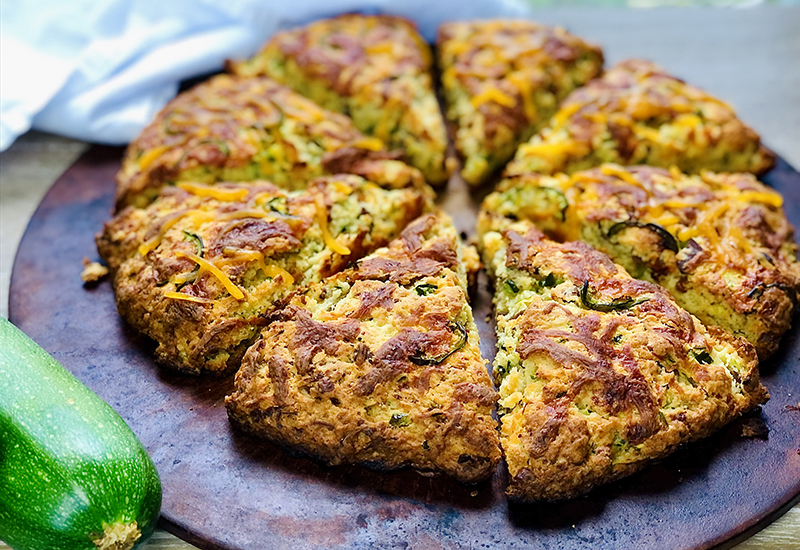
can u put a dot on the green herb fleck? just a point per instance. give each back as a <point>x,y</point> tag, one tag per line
<point>399,420</point>
<point>703,357</point>
<point>511,286</point>
<point>426,289</point>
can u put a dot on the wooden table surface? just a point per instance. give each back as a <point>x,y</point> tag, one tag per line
<point>750,58</point>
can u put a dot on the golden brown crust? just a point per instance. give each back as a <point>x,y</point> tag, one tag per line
<point>376,69</point>
<point>600,373</point>
<point>379,364</point>
<point>636,113</point>
<point>232,128</point>
<point>502,79</point>
<point>199,268</point>
<point>720,243</point>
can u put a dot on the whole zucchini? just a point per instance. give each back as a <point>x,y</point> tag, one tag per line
<point>72,474</point>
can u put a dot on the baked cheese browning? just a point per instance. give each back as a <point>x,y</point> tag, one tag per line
<point>233,128</point>
<point>502,80</point>
<point>600,373</point>
<point>720,243</point>
<point>376,69</point>
<point>199,268</point>
<point>637,114</point>
<point>378,365</point>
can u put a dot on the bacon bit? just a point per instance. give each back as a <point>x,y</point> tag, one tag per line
<point>255,234</point>
<point>467,392</point>
<point>352,159</point>
<point>311,336</point>
<point>363,354</point>
<point>620,390</point>
<point>393,356</point>
<point>280,378</point>
<point>380,297</point>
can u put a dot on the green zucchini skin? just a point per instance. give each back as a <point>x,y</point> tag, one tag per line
<point>69,465</point>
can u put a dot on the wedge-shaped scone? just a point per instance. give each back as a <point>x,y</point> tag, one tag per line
<point>720,243</point>
<point>233,128</point>
<point>600,373</point>
<point>502,80</point>
<point>638,114</point>
<point>374,68</point>
<point>378,365</point>
<point>199,268</point>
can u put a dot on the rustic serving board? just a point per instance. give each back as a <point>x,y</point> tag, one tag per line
<point>223,490</point>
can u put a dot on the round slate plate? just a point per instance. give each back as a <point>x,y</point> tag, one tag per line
<point>223,490</point>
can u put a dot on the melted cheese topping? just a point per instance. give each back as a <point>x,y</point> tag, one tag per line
<point>180,296</point>
<point>225,195</point>
<point>214,270</point>
<point>272,271</point>
<point>322,220</point>
<point>151,155</point>
<point>714,218</point>
<point>493,94</point>
<point>198,217</point>
<point>370,143</point>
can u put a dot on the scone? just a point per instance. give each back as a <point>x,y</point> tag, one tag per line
<point>242,129</point>
<point>638,114</point>
<point>720,243</point>
<point>378,365</point>
<point>502,80</point>
<point>199,268</point>
<point>600,373</point>
<point>374,68</point>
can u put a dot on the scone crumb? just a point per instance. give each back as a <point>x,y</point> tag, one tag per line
<point>93,271</point>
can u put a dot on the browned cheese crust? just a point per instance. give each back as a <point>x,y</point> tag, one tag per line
<point>600,373</point>
<point>199,268</point>
<point>233,128</point>
<point>720,243</point>
<point>638,114</point>
<point>374,68</point>
<point>379,365</point>
<point>502,80</point>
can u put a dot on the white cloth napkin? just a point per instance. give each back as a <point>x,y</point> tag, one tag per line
<point>99,70</point>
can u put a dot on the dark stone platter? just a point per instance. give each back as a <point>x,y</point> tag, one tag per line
<point>223,490</point>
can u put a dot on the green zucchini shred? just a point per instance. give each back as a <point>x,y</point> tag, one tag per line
<point>667,240</point>
<point>616,305</point>
<point>418,358</point>
<point>426,289</point>
<point>399,420</point>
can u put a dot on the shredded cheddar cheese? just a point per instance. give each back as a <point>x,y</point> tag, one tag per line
<point>180,296</point>
<point>342,187</point>
<point>493,94</point>
<point>214,270</point>
<point>768,198</point>
<point>272,271</point>
<point>147,158</point>
<point>619,172</point>
<point>226,195</point>
<point>370,143</point>
<point>198,217</point>
<point>322,220</point>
